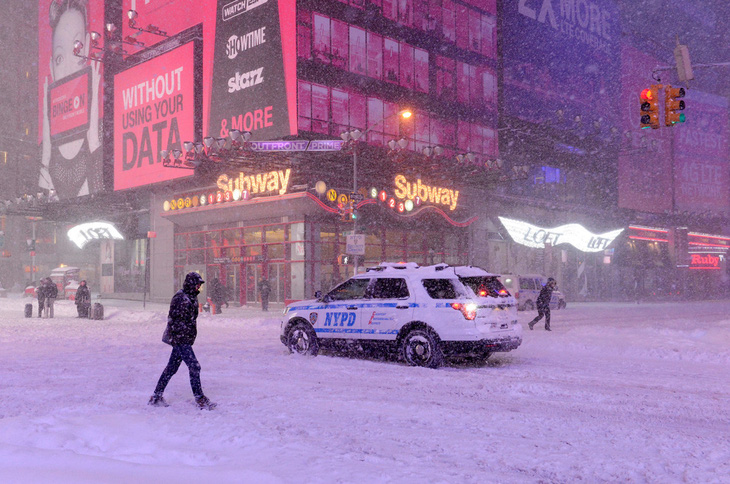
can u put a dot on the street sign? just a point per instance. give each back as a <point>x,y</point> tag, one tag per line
<point>355,244</point>
<point>357,197</point>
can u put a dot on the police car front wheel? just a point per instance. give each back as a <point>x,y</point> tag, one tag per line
<point>302,339</point>
<point>421,348</point>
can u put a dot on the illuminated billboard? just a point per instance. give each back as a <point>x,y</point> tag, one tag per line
<point>254,72</point>
<point>157,107</point>
<point>561,56</point>
<point>70,93</point>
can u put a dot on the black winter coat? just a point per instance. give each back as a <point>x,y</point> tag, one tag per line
<point>50,290</point>
<point>182,320</point>
<point>83,295</point>
<point>543,300</point>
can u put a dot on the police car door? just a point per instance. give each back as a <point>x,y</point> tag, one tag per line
<point>388,307</point>
<point>340,315</point>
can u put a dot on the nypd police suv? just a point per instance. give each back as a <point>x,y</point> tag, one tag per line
<point>424,313</point>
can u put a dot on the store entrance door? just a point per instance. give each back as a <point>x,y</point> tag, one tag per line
<point>279,281</point>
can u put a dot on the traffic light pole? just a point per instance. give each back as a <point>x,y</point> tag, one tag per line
<point>354,190</point>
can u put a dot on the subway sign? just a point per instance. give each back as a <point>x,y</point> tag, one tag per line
<point>234,188</point>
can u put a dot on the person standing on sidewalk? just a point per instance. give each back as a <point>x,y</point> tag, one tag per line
<point>543,304</point>
<point>264,290</point>
<point>40,293</point>
<point>180,333</point>
<point>51,291</point>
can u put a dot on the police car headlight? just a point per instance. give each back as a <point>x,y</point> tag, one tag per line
<point>286,310</point>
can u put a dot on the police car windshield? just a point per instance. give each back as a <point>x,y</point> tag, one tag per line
<point>485,285</point>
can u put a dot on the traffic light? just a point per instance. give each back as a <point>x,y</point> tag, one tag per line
<point>649,103</point>
<point>673,104</point>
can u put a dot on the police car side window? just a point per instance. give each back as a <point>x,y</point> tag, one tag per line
<point>440,288</point>
<point>389,289</point>
<point>352,289</point>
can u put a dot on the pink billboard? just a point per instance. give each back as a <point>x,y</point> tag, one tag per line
<point>172,17</point>
<point>70,93</point>
<point>644,163</point>
<point>154,110</point>
<point>701,172</point>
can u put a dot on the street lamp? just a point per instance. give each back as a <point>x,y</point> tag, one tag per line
<point>354,135</point>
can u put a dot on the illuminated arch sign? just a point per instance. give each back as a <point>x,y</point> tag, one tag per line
<point>82,234</point>
<point>573,234</point>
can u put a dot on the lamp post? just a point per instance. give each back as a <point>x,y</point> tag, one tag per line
<point>354,135</point>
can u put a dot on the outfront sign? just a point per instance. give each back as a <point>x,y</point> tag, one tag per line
<point>573,234</point>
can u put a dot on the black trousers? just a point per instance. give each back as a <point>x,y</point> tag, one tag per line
<point>179,354</point>
<point>540,313</point>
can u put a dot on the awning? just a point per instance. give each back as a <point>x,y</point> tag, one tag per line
<point>291,204</point>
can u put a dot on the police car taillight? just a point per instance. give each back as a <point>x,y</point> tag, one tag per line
<point>469,310</point>
<point>503,292</point>
<point>483,293</point>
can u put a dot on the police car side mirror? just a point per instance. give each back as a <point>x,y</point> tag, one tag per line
<point>317,294</point>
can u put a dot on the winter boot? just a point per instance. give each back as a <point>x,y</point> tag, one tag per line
<point>158,401</point>
<point>531,324</point>
<point>204,403</point>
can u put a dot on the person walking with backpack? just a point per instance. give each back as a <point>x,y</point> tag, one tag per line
<point>180,333</point>
<point>543,304</point>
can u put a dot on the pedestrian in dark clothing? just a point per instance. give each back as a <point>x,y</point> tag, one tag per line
<point>51,292</point>
<point>264,290</point>
<point>40,293</point>
<point>218,295</point>
<point>543,304</point>
<point>83,300</point>
<point>180,333</point>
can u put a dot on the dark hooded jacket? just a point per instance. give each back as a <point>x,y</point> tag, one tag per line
<point>83,295</point>
<point>182,319</point>
<point>546,293</point>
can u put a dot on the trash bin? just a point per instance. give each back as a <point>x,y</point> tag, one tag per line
<point>97,311</point>
<point>29,310</point>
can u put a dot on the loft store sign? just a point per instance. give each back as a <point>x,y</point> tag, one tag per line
<point>406,190</point>
<point>573,234</point>
<point>273,182</point>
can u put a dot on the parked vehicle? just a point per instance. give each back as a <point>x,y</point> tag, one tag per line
<point>526,287</point>
<point>62,277</point>
<point>426,314</point>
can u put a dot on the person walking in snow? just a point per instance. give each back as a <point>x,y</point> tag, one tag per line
<point>180,333</point>
<point>543,304</point>
<point>83,300</point>
<point>218,295</point>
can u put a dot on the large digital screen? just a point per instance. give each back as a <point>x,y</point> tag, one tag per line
<point>561,56</point>
<point>70,91</point>
<point>155,106</point>
<point>254,73</point>
<point>701,171</point>
<point>172,17</point>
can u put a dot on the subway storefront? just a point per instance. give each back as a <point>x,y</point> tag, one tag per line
<point>249,228</point>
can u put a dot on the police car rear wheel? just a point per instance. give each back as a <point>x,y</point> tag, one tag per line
<point>420,348</point>
<point>302,340</point>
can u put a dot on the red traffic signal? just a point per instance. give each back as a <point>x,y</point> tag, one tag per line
<point>649,108</point>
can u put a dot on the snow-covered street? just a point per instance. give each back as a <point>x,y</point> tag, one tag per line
<point>616,393</point>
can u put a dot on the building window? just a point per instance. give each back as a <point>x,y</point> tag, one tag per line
<point>375,56</point>
<point>322,38</point>
<point>304,34</point>
<point>358,51</point>
<point>340,44</point>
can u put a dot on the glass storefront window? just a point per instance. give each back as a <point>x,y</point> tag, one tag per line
<point>275,251</point>
<point>252,235</point>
